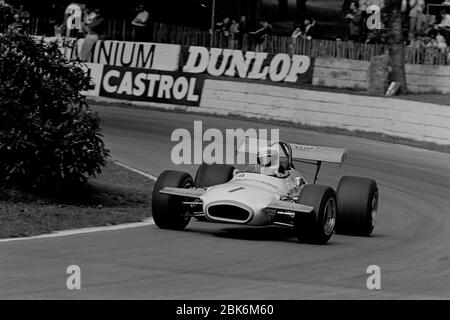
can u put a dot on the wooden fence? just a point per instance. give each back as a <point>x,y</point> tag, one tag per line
<point>162,33</point>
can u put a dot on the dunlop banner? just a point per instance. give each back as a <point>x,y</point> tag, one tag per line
<point>247,65</point>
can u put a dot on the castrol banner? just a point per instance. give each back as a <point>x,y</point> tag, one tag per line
<point>137,84</point>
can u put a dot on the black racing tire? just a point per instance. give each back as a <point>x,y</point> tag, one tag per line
<point>213,174</point>
<point>357,204</point>
<point>318,226</point>
<point>168,211</point>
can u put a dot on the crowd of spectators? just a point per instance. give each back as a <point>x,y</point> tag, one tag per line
<point>421,29</point>
<point>307,30</point>
<point>79,21</point>
<point>93,26</point>
<point>14,19</point>
<point>429,31</point>
<point>232,33</point>
<point>82,21</point>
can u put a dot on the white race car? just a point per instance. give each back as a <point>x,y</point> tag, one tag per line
<point>271,192</point>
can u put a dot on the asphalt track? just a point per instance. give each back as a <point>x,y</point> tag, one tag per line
<point>411,242</point>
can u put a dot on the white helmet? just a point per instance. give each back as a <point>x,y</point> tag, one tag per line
<point>269,161</point>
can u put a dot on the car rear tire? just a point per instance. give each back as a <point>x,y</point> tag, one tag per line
<point>213,174</point>
<point>317,226</point>
<point>357,204</point>
<point>169,211</point>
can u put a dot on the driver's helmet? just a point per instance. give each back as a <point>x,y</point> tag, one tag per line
<point>269,161</point>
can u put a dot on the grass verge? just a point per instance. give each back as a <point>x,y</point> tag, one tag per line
<point>116,196</point>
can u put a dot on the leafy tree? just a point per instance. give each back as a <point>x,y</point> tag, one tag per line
<point>48,135</point>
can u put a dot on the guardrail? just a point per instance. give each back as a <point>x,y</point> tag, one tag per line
<point>162,33</point>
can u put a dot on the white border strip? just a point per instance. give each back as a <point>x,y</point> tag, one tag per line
<point>72,232</point>
<point>142,173</point>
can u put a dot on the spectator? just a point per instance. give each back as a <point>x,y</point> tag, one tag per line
<point>16,26</point>
<point>224,30</point>
<point>88,18</point>
<point>243,24</point>
<point>53,13</point>
<point>224,26</point>
<point>89,15</point>
<point>422,20</point>
<point>234,34</point>
<point>375,36</point>
<point>5,16</point>
<point>262,35</point>
<point>294,36</point>
<point>95,32</point>
<point>445,20</point>
<point>310,28</point>
<point>444,26</point>
<point>25,17</point>
<point>297,32</point>
<point>243,29</point>
<point>140,24</point>
<point>354,18</point>
<point>440,42</point>
<point>414,13</point>
<point>417,42</point>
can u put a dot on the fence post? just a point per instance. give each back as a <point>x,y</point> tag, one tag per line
<point>124,26</point>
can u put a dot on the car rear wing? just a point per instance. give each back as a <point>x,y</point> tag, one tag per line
<point>319,154</point>
<point>299,151</point>
<point>302,153</point>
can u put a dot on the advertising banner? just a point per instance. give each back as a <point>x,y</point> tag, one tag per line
<point>95,71</point>
<point>152,86</point>
<point>216,62</point>
<point>153,56</point>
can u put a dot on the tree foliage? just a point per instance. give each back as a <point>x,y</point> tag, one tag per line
<point>48,135</point>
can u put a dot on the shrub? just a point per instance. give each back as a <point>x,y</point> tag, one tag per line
<point>48,135</point>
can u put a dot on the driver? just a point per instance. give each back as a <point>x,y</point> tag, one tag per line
<point>269,161</point>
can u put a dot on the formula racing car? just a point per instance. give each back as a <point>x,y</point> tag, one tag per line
<point>269,192</point>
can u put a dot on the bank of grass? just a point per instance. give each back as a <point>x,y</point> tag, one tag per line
<point>116,196</point>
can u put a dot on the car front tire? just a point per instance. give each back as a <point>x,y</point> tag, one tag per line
<point>169,211</point>
<point>317,226</point>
